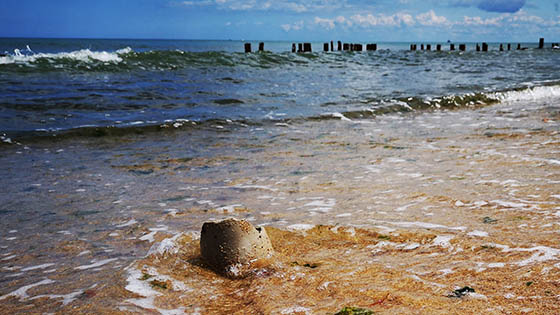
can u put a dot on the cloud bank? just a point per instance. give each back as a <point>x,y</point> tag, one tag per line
<point>500,6</point>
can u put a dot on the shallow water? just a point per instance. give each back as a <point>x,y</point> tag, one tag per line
<point>80,214</point>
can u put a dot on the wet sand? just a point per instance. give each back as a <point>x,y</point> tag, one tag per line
<point>392,214</point>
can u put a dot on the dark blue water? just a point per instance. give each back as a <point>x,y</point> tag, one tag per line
<point>50,85</point>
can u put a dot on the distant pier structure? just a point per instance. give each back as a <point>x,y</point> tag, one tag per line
<point>358,47</point>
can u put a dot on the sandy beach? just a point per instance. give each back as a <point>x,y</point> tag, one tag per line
<point>395,214</point>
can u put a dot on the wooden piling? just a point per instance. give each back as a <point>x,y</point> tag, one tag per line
<point>484,47</point>
<point>462,47</point>
<point>452,47</point>
<point>293,47</point>
<point>358,47</point>
<point>412,47</point>
<point>428,47</point>
<point>306,47</point>
<point>477,47</point>
<point>438,47</point>
<point>501,47</point>
<point>509,47</point>
<point>518,46</point>
<point>247,47</point>
<point>261,46</point>
<point>541,43</point>
<point>421,46</point>
<point>371,47</point>
<point>326,47</point>
<point>339,45</point>
<point>299,47</point>
<point>332,46</point>
<point>346,46</point>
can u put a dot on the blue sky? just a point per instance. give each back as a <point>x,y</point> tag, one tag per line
<point>380,20</point>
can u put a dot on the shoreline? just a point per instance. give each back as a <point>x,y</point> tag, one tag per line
<point>425,182</point>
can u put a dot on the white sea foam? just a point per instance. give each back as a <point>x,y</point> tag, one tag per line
<point>338,115</point>
<point>295,309</point>
<point>478,233</point>
<point>66,298</point>
<point>150,236</point>
<point>96,264</point>
<point>229,209</point>
<point>128,223</point>
<point>425,225</point>
<point>300,227</point>
<point>529,94</point>
<point>21,293</point>
<point>143,288</point>
<point>84,55</point>
<point>167,246</point>
<point>43,266</point>
<point>443,241</point>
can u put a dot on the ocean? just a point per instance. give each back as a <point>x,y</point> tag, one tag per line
<point>434,169</point>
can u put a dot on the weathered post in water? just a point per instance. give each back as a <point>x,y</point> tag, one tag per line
<point>332,46</point>
<point>421,46</point>
<point>293,47</point>
<point>299,47</point>
<point>358,47</point>
<point>509,47</point>
<point>452,47</point>
<point>518,46</point>
<point>326,47</point>
<point>412,47</point>
<point>438,47</point>
<point>261,46</point>
<point>339,44</point>
<point>477,47</point>
<point>346,46</point>
<point>541,43</point>
<point>306,47</point>
<point>247,47</point>
<point>501,47</point>
<point>462,47</point>
<point>428,47</point>
<point>484,47</point>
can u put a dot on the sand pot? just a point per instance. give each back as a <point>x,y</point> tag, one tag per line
<point>231,245</point>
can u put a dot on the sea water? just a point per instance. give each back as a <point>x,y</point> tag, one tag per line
<point>112,150</point>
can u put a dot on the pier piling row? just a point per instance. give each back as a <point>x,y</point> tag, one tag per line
<point>306,47</point>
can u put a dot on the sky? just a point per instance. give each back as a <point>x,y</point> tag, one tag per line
<point>293,20</point>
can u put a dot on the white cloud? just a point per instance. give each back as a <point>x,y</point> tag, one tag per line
<point>326,23</point>
<point>431,19</point>
<point>371,20</point>
<point>297,6</point>
<point>518,19</point>
<point>478,21</point>
<point>293,27</point>
<point>330,24</point>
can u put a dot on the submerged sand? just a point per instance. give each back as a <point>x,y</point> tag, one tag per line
<point>392,214</point>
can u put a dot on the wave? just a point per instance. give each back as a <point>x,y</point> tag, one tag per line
<point>450,102</point>
<point>403,105</point>
<point>127,59</point>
